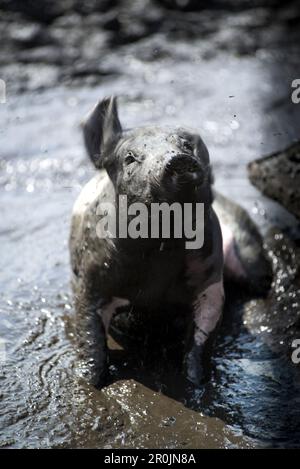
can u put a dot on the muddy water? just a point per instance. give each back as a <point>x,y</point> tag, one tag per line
<point>241,106</point>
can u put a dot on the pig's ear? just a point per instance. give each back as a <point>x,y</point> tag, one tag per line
<point>101,129</point>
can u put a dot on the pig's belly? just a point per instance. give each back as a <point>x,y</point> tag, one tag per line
<point>159,291</point>
<point>157,297</point>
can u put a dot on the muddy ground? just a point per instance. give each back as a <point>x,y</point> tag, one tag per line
<point>225,69</point>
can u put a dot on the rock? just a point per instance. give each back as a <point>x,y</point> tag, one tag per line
<point>157,421</point>
<point>30,35</point>
<point>282,314</point>
<point>279,312</point>
<point>133,22</point>
<point>48,10</point>
<point>49,55</point>
<point>194,5</point>
<point>44,12</point>
<point>278,175</point>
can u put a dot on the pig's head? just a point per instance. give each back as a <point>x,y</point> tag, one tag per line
<point>148,164</point>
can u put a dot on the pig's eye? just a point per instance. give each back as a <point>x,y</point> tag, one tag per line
<point>187,146</point>
<point>130,158</point>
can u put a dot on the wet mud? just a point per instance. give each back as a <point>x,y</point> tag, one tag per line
<point>225,72</point>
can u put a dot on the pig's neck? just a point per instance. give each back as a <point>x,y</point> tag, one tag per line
<point>144,245</point>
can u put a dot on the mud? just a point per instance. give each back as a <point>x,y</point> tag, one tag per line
<point>226,73</point>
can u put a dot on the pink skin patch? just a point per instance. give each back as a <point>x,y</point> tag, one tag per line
<point>232,264</point>
<point>193,269</point>
<point>208,311</point>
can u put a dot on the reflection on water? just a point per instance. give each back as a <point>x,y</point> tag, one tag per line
<point>43,167</point>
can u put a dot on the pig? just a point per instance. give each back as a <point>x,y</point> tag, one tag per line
<point>151,165</point>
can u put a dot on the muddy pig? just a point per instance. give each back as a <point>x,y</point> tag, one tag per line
<point>152,165</point>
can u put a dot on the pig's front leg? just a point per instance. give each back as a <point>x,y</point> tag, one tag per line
<point>91,338</point>
<point>93,316</point>
<point>207,314</point>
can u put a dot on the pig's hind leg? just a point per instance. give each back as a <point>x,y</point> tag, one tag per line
<point>233,266</point>
<point>245,260</point>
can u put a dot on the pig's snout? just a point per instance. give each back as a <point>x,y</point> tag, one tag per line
<point>182,169</point>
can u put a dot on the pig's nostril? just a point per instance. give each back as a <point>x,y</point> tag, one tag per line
<point>182,165</point>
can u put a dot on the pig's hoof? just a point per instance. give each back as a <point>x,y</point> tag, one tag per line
<point>101,380</point>
<point>95,376</point>
<point>196,370</point>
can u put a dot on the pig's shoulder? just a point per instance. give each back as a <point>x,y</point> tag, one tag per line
<point>84,243</point>
<point>90,193</point>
